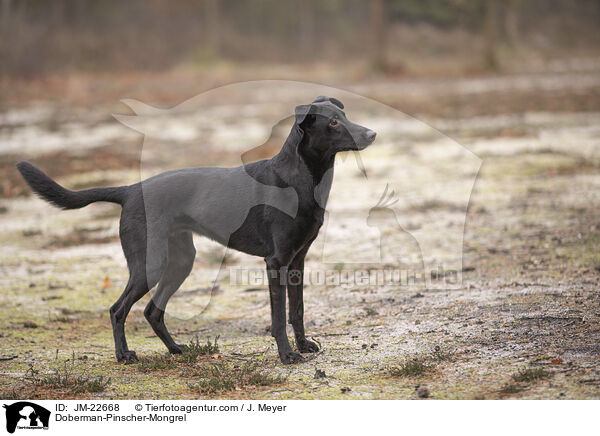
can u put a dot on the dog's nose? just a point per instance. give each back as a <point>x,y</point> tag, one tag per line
<point>370,135</point>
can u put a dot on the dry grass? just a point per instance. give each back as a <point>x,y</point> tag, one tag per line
<point>226,376</point>
<point>66,380</point>
<point>412,368</point>
<point>529,375</point>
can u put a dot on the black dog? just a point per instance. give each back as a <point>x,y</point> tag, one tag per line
<point>272,208</point>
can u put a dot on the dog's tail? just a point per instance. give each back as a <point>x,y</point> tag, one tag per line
<point>64,198</point>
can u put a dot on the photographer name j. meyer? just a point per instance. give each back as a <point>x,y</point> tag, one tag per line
<point>186,408</point>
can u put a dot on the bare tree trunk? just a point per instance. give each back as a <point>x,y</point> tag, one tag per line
<point>491,34</point>
<point>6,7</point>
<point>307,28</point>
<point>213,15</point>
<point>511,22</point>
<point>5,17</point>
<point>378,34</point>
<point>5,35</point>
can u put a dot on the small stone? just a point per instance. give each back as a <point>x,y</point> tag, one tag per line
<point>423,392</point>
<point>319,373</point>
<point>345,389</point>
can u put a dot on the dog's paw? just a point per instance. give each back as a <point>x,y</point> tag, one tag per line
<point>307,346</point>
<point>127,357</point>
<point>177,349</point>
<point>290,357</point>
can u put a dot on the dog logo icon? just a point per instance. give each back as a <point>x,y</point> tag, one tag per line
<point>26,415</point>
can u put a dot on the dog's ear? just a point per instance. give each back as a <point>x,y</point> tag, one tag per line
<point>335,101</point>
<point>301,112</point>
<point>302,117</point>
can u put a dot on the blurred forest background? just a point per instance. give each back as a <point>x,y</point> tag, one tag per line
<point>393,37</point>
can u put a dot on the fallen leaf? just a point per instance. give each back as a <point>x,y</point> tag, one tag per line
<point>106,283</point>
<point>556,361</point>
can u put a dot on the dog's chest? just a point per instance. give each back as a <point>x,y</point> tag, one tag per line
<point>310,221</point>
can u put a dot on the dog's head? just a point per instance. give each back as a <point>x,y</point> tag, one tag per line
<point>326,130</point>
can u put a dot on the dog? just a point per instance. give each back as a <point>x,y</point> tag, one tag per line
<point>272,208</point>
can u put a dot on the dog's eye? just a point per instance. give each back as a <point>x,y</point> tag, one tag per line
<point>333,123</point>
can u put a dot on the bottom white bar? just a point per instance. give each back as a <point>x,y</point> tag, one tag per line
<point>77,417</point>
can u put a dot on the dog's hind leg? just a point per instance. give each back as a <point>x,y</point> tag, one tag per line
<point>146,264</point>
<point>136,288</point>
<point>179,265</point>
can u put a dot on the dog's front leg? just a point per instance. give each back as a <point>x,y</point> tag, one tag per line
<point>277,273</point>
<point>295,288</point>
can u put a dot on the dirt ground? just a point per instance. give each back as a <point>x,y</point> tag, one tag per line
<point>524,322</point>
